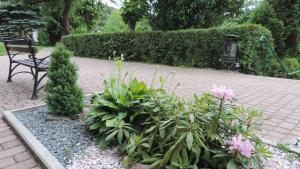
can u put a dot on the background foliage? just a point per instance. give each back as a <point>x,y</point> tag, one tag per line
<point>282,18</point>
<point>199,47</point>
<point>16,19</point>
<point>182,14</point>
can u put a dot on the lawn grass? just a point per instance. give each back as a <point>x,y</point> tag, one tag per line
<point>2,49</point>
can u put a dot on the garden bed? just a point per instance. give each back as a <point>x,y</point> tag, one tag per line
<point>73,146</point>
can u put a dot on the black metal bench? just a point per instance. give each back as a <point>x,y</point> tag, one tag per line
<point>36,65</point>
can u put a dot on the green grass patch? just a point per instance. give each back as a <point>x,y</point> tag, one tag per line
<point>2,49</point>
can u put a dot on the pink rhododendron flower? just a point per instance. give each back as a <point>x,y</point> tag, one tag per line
<point>239,145</point>
<point>222,92</point>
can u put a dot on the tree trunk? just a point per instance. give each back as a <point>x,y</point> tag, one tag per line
<point>131,25</point>
<point>89,24</point>
<point>67,7</point>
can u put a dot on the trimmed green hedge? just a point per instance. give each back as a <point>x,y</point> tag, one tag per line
<point>197,47</point>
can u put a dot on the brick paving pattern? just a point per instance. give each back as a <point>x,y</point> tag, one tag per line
<point>279,99</point>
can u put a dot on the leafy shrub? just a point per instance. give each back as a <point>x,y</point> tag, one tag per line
<point>155,127</point>
<point>283,20</point>
<point>79,30</point>
<point>117,109</point>
<point>199,47</point>
<point>64,97</point>
<point>293,64</point>
<point>266,16</point>
<point>43,37</point>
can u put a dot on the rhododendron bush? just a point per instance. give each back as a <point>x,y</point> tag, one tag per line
<point>153,126</point>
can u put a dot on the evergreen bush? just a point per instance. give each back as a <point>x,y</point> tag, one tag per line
<point>64,96</point>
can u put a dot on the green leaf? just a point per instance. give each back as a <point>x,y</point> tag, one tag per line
<point>146,145</point>
<point>102,142</point>
<point>220,155</point>
<point>231,165</point>
<point>162,133</point>
<point>176,158</point>
<point>120,136</point>
<point>95,126</point>
<point>192,117</point>
<point>155,164</point>
<point>111,122</point>
<point>167,156</point>
<point>149,160</point>
<point>185,156</point>
<point>107,117</point>
<point>150,129</point>
<point>111,135</point>
<point>189,140</point>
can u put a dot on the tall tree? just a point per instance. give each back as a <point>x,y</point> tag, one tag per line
<point>183,14</point>
<point>288,11</point>
<point>67,4</point>
<point>67,8</point>
<point>133,11</point>
<point>16,19</point>
<point>90,10</point>
<point>283,19</point>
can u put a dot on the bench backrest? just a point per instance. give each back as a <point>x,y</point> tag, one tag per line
<point>20,46</point>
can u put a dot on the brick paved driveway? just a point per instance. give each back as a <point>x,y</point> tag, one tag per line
<point>278,98</point>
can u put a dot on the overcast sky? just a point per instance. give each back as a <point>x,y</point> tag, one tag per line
<point>115,5</point>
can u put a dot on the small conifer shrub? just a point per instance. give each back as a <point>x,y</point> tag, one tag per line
<point>63,95</point>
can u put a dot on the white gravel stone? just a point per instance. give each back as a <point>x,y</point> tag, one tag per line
<point>280,160</point>
<point>96,158</point>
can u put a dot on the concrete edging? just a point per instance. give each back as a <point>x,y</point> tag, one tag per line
<point>272,143</point>
<point>42,154</point>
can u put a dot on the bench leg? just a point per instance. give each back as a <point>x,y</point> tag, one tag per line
<point>35,85</point>
<point>31,70</point>
<point>9,73</point>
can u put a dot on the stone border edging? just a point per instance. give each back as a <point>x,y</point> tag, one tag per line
<point>272,143</point>
<point>45,158</point>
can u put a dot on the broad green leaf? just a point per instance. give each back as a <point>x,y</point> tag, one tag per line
<point>149,160</point>
<point>192,117</point>
<point>155,164</point>
<point>111,122</point>
<point>176,158</point>
<point>231,165</point>
<point>107,117</point>
<point>146,145</point>
<point>120,136</point>
<point>102,142</point>
<point>150,129</point>
<point>189,140</point>
<point>167,156</point>
<point>111,135</point>
<point>185,156</point>
<point>95,126</point>
<point>162,133</point>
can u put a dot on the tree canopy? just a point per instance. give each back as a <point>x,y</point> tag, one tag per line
<point>283,19</point>
<point>182,14</point>
<point>15,19</point>
<point>133,11</point>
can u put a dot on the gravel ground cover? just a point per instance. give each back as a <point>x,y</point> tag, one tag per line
<point>72,145</point>
<point>61,137</point>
